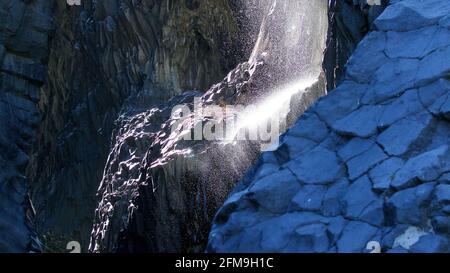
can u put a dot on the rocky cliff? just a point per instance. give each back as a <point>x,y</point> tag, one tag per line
<point>366,168</point>
<point>86,98</point>
<point>159,191</point>
<point>103,53</point>
<point>24,34</point>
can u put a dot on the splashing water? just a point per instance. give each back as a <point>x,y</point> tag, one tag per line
<point>291,41</point>
<point>270,112</point>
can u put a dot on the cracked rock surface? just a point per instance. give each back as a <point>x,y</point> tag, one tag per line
<point>368,162</point>
<point>24,33</point>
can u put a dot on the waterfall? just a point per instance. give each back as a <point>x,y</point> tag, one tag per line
<point>291,42</point>
<point>280,79</point>
<point>292,38</point>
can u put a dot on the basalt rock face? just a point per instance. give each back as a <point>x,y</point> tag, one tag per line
<point>103,53</point>
<point>115,70</point>
<point>366,167</point>
<point>160,191</point>
<point>350,21</point>
<point>24,33</point>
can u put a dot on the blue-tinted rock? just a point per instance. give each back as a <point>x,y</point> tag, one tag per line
<point>445,22</point>
<point>446,209</point>
<point>397,45</point>
<point>383,174</point>
<point>335,227</point>
<point>362,122</point>
<point>442,194</point>
<point>445,179</point>
<point>367,58</point>
<point>331,203</point>
<point>429,94</point>
<point>266,169</point>
<point>341,102</point>
<point>308,198</point>
<point>268,157</point>
<point>445,108</point>
<point>310,238</point>
<point>404,134</point>
<point>297,145</point>
<point>411,206</point>
<point>412,14</point>
<point>409,103</point>
<point>435,108</point>
<point>391,234</point>
<point>318,166</point>
<point>267,191</point>
<point>355,237</point>
<point>430,244</point>
<point>360,202</point>
<point>387,126</point>
<point>277,232</point>
<point>391,80</point>
<point>441,224</point>
<point>355,147</point>
<point>428,166</point>
<point>436,68</point>
<point>309,126</point>
<point>362,163</point>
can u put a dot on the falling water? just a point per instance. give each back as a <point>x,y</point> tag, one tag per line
<point>291,42</point>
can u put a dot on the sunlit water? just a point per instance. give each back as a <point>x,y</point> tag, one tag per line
<point>267,117</point>
<point>292,40</point>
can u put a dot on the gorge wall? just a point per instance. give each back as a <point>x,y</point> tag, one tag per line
<point>25,27</point>
<point>103,53</point>
<point>80,83</point>
<point>159,191</point>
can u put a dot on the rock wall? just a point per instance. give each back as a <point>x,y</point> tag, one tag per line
<point>104,52</point>
<point>367,165</point>
<point>115,58</point>
<point>350,21</point>
<point>160,192</point>
<point>24,33</point>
